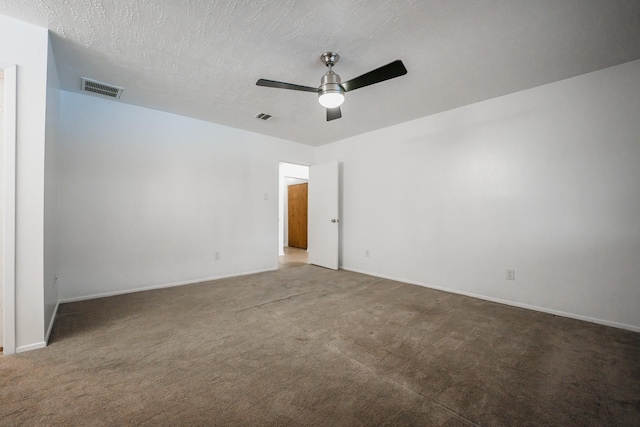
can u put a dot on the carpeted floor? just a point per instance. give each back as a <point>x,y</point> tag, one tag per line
<point>309,346</point>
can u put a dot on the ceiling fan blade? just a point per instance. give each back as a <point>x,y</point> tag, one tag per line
<point>280,85</point>
<point>333,113</point>
<point>386,72</point>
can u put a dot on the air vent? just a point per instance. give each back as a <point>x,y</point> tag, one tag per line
<point>264,116</point>
<point>100,88</point>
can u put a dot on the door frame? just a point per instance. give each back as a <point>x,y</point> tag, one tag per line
<point>8,238</point>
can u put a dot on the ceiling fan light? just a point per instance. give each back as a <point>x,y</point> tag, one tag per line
<point>331,93</point>
<point>331,98</point>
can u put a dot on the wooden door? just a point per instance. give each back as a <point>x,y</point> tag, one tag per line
<point>298,215</point>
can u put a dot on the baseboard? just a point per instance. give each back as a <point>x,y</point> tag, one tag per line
<point>168,285</point>
<point>53,319</point>
<point>505,302</point>
<point>30,347</point>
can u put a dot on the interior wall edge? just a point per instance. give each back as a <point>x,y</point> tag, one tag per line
<point>162,286</point>
<point>52,320</point>
<point>633,328</point>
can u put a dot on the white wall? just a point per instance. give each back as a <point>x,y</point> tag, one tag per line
<point>1,199</point>
<point>546,181</point>
<point>148,198</point>
<point>26,46</point>
<point>51,194</point>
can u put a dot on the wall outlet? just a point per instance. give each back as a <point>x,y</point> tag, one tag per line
<point>216,256</point>
<point>511,274</point>
<point>366,253</point>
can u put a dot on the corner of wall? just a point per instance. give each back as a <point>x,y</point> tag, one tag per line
<point>51,191</point>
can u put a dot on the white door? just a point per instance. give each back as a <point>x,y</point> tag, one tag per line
<point>323,238</point>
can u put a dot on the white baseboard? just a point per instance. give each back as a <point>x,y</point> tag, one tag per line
<point>43,344</point>
<point>502,301</point>
<point>30,347</point>
<point>53,319</point>
<point>168,285</point>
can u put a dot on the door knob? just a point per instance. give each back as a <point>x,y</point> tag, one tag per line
<point>334,220</point>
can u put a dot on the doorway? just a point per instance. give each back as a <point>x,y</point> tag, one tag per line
<point>292,232</point>
<point>293,257</point>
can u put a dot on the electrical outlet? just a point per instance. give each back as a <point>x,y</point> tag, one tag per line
<point>216,256</point>
<point>511,274</point>
<point>366,253</point>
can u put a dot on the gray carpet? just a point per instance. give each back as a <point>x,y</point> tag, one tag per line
<point>309,346</point>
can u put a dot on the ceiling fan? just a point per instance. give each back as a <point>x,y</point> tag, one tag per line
<point>331,91</point>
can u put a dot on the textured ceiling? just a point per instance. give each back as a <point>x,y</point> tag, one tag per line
<point>201,58</point>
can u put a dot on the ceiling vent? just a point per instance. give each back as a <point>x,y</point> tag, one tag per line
<point>100,88</point>
<point>264,116</point>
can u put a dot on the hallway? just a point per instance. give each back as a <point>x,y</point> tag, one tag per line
<point>293,257</point>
